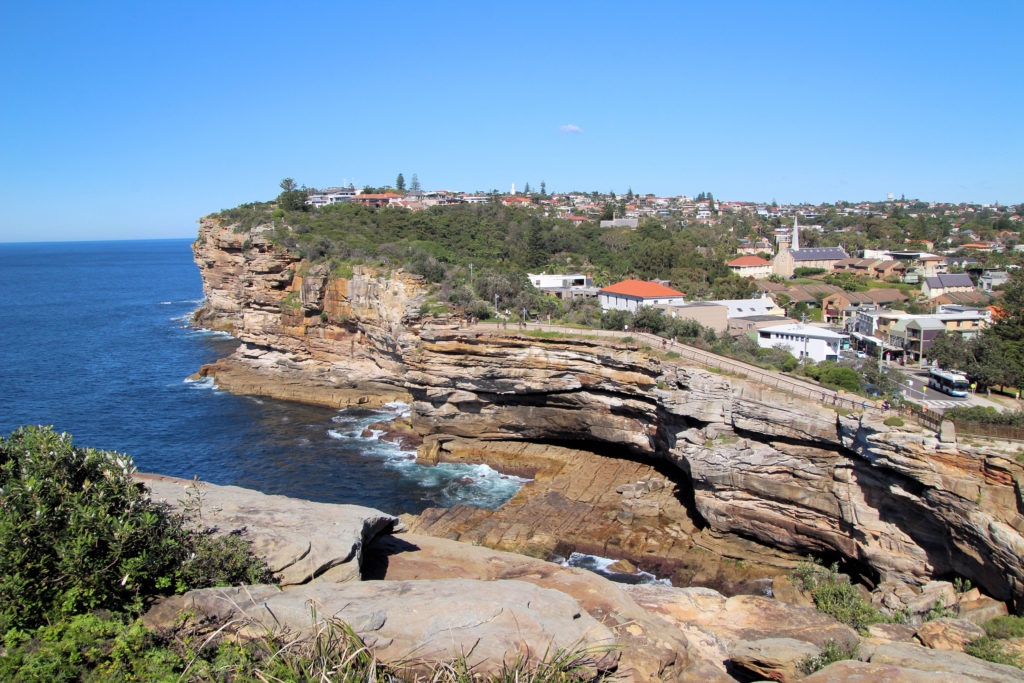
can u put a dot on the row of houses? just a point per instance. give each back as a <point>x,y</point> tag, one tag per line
<point>859,319</point>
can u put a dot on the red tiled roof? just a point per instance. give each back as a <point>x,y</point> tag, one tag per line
<point>748,261</point>
<point>642,289</point>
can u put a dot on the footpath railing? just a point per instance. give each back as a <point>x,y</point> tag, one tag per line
<point>701,357</point>
<point>933,419</point>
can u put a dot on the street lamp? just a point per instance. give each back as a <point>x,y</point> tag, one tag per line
<point>495,305</point>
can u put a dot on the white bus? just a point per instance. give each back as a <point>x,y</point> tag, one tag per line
<point>949,382</point>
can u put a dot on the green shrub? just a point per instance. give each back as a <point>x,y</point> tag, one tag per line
<point>78,534</point>
<point>1005,627</point>
<point>839,599</point>
<point>831,652</point>
<point>991,650</point>
<point>840,377</point>
<point>986,415</point>
<point>893,422</point>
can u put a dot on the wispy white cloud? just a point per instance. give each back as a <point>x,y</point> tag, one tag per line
<point>570,128</point>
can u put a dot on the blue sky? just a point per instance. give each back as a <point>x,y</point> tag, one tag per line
<point>133,119</point>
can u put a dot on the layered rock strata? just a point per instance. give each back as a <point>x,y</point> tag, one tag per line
<point>742,460</point>
<point>417,600</point>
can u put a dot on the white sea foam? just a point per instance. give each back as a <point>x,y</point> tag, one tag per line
<point>202,383</point>
<point>600,565</point>
<point>203,332</point>
<point>400,407</point>
<point>444,484</point>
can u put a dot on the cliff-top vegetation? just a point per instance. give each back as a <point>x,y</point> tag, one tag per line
<point>497,238</point>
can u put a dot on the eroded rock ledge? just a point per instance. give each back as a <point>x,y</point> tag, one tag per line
<point>742,469</point>
<point>418,599</point>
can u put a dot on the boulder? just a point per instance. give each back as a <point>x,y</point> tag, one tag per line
<point>898,632</point>
<point>777,659</point>
<point>949,634</point>
<point>298,539</point>
<point>910,656</point>
<point>741,617</point>
<point>934,594</point>
<point>853,671</point>
<point>651,648</point>
<point>981,610</point>
<point>784,590</point>
<point>489,623</point>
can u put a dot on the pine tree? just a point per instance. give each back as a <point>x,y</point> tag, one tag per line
<point>400,182</point>
<point>526,188</point>
<point>415,187</point>
<point>543,189</point>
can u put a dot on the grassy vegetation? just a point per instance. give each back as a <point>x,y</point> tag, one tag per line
<point>838,598</point>
<point>893,421</point>
<point>992,647</point>
<point>832,652</point>
<point>1005,627</point>
<point>992,650</point>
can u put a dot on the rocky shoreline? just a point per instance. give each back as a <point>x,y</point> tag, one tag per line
<point>421,599</point>
<point>708,479</point>
<point>747,474</point>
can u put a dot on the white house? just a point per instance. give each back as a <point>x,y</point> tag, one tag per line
<point>751,266</point>
<point>742,308</point>
<point>557,281</point>
<point>332,195</point>
<point>802,341</point>
<point>629,295</point>
<point>938,285</point>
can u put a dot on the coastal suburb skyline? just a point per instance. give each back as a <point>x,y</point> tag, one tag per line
<point>131,120</point>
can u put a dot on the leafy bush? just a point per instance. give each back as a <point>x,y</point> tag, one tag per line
<point>840,377</point>
<point>830,653</point>
<point>991,650</point>
<point>1005,627</point>
<point>807,272</point>
<point>893,421</point>
<point>986,415</point>
<point>78,534</point>
<point>837,598</point>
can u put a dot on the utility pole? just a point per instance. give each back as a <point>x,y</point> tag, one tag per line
<point>803,321</point>
<point>470,274</point>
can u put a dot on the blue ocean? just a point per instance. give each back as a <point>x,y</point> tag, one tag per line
<point>97,343</point>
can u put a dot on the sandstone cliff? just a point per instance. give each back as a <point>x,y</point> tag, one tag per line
<point>633,452</point>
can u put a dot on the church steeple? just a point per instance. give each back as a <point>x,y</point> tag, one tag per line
<point>795,242</point>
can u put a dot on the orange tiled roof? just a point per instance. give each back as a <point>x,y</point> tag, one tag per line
<point>642,289</point>
<point>748,261</point>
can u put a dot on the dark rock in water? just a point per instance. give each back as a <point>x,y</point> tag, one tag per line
<point>366,433</point>
<point>465,480</point>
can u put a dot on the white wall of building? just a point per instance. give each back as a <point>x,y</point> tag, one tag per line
<point>803,341</point>
<point>623,302</point>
